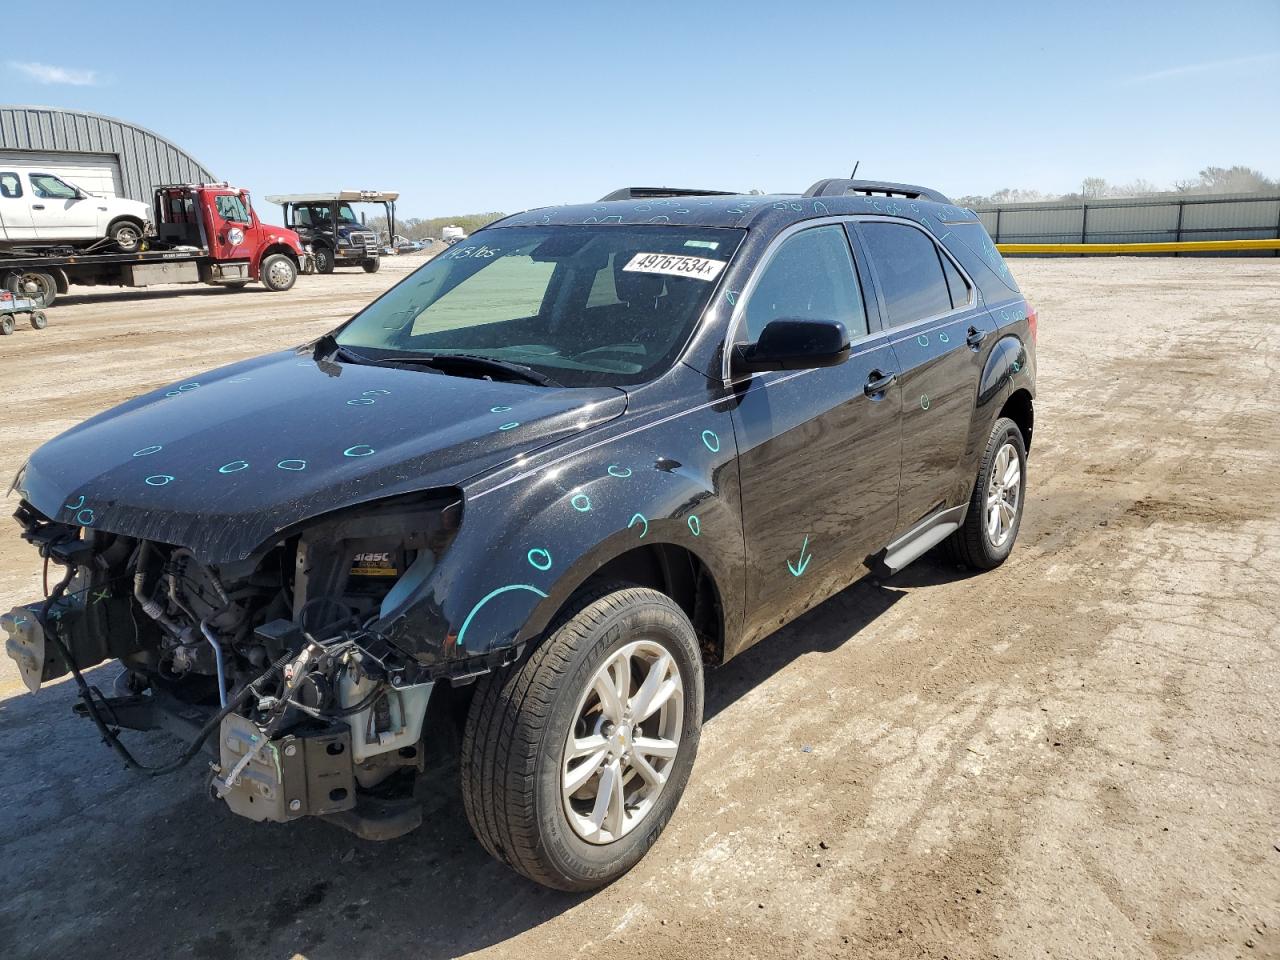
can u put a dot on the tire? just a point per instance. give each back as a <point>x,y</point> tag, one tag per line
<point>6,325</point>
<point>41,288</point>
<point>324,259</point>
<point>127,235</point>
<point>371,266</point>
<point>973,545</point>
<point>513,765</point>
<point>277,272</point>
<point>38,320</point>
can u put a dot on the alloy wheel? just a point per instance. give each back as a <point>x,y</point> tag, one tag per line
<point>1004,487</point>
<point>623,744</point>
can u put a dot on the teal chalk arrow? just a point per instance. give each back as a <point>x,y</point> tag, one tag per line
<point>804,560</point>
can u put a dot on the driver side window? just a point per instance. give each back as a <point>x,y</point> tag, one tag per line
<point>811,277</point>
<point>48,187</point>
<point>231,207</point>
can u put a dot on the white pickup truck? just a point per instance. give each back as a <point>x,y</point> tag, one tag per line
<point>38,209</point>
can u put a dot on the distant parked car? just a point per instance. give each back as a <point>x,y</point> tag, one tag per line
<point>452,235</point>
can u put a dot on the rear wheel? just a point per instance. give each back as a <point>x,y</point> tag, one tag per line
<point>371,266</point>
<point>573,762</point>
<point>127,234</point>
<point>995,509</point>
<point>324,259</point>
<point>6,325</point>
<point>277,272</point>
<point>39,287</point>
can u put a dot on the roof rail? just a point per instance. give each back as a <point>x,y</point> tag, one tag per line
<point>838,187</point>
<point>649,193</point>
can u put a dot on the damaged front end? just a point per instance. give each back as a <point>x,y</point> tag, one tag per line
<point>287,656</point>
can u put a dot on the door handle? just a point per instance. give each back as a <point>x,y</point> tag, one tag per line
<point>975,337</point>
<point>877,383</point>
<point>37,206</point>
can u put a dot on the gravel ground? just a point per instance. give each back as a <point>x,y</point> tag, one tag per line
<point>1072,756</point>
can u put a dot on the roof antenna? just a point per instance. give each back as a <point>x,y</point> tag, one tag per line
<point>854,175</point>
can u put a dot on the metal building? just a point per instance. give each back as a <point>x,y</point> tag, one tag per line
<point>101,154</point>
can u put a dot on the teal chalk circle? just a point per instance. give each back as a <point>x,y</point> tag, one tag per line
<point>360,402</point>
<point>359,450</point>
<point>943,338</point>
<point>292,465</point>
<point>510,426</point>
<point>695,526</point>
<point>711,441</point>
<point>499,409</point>
<point>235,466</point>
<point>77,505</point>
<point>644,523</point>
<point>922,340</point>
<point>580,502</point>
<point>182,389</point>
<point>924,401</point>
<point>147,451</point>
<point>1016,366</point>
<point>85,517</point>
<point>539,559</point>
<point>462,632</point>
<point>620,472</point>
<point>160,480</point>
<point>375,393</point>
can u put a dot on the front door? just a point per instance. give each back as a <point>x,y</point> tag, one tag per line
<point>938,332</point>
<point>232,228</point>
<point>60,211</point>
<point>818,450</point>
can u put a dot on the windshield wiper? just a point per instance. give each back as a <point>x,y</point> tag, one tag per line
<point>517,370</point>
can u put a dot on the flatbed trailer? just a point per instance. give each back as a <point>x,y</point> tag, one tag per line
<point>206,233</point>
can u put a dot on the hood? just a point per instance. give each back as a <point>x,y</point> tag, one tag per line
<point>223,461</point>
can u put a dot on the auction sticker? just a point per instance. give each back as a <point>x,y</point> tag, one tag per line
<point>675,265</point>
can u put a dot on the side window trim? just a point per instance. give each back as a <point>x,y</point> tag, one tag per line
<point>941,251</point>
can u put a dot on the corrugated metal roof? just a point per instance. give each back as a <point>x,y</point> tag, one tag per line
<point>147,159</point>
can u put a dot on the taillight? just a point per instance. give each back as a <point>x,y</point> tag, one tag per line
<point>1032,318</point>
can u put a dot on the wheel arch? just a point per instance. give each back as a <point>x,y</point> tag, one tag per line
<point>1020,408</point>
<point>670,568</point>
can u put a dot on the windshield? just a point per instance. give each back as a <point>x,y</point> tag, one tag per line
<point>587,306</point>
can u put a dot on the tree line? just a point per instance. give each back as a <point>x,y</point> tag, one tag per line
<point>1237,179</point>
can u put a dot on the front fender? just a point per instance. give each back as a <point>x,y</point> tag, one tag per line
<point>527,542</point>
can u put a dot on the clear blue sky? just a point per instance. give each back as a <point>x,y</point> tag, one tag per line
<point>479,105</point>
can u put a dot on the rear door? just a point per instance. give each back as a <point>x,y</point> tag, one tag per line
<point>937,330</point>
<point>15,208</point>
<point>818,454</point>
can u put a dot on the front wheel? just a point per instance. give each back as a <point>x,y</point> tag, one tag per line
<point>277,272</point>
<point>6,325</point>
<point>573,762</point>
<point>127,235</point>
<point>38,320</point>
<point>371,266</point>
<point>995,509</point>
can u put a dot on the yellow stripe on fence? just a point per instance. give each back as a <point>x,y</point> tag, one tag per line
<point>1184,246</point>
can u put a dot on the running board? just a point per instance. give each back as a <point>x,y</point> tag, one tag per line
<point>925,535</point>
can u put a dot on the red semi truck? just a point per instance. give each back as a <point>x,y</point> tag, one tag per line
<point>204,233</point>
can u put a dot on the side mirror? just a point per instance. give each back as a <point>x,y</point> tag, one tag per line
<point>793,345</point>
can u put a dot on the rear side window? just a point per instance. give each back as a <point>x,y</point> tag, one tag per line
<point>811,277</point>
<point>908,267</point>
<point>10,186</point>
<point>955,283</point>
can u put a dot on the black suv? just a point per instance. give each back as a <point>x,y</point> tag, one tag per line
<point>521,500</point>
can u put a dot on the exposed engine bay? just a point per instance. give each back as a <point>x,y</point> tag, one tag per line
<point>282,656</point>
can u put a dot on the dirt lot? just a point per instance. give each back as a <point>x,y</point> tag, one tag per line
<point>1073,756</point>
